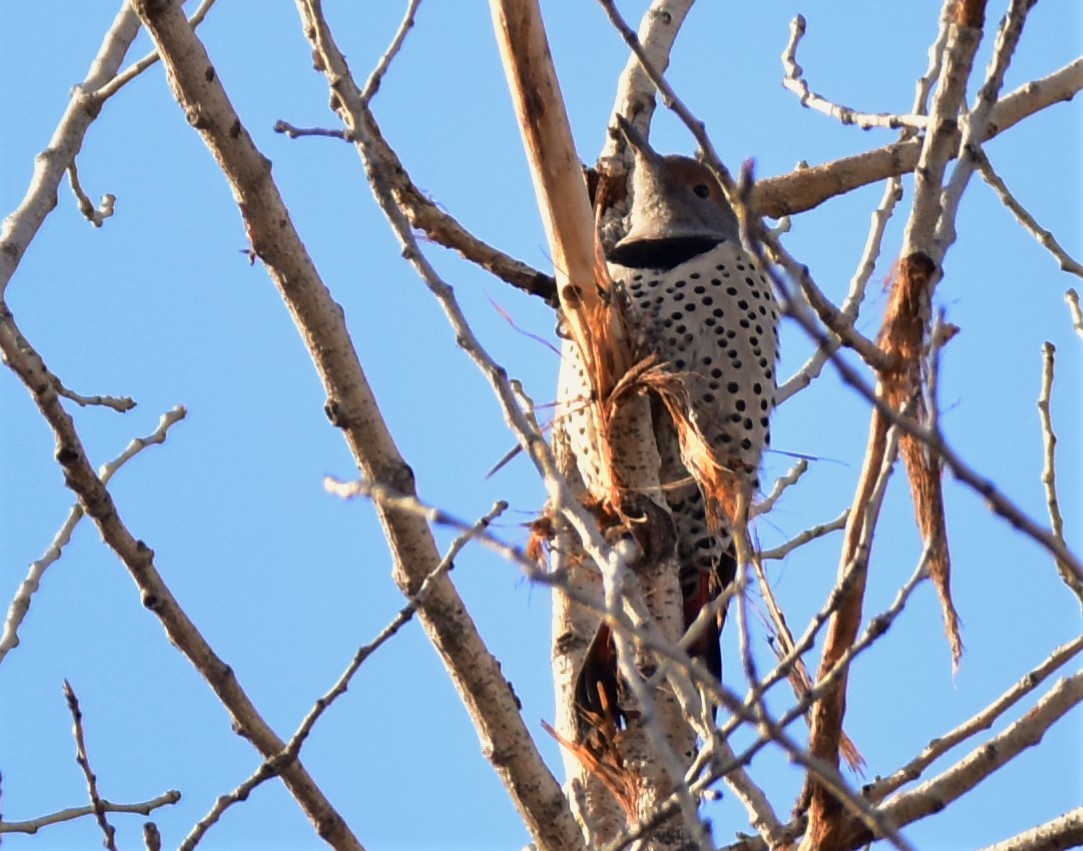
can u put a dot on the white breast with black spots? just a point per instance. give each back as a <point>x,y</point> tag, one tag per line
<point>714,319</point>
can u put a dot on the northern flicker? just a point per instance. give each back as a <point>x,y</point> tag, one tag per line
<point>697,302</point>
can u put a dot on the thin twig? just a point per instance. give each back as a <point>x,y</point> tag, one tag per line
<point>982,721</point>
<point>1072,298</point>
<point>810,534</point>
<point>136,68</point>
<point>292,132</point>
<point>20,228</point>
<point>989,756</point>
<point>144,808</point>
<point>1045,237</point>
<point>152,837</point>
<point>20,603</point>
<point>1049,466</point>
<point>425,215</point>
<point>925,83</point>
<point>389,497</point>
<point>747,710</point>
<point>854,297</point>
<point>976,122</point>
<point>997,502</point>
<point>272,767</point>
<point>372,85</point>
<point>876,627</point>
<point>807,188</point>
<point>83,759</point>
<point>95,215</point>
<point>796,83</point>
<point>121,404</point>
<point>781,484</point>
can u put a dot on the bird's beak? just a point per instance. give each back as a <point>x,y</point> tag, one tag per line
<point>638,142</point>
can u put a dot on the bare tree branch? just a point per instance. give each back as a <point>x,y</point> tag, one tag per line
<point>95,215</point>
<point>635,92</point>
<point>1065,831</point>
<point>938,792</point>
<point>120,404</point>
<point>976,121</point>
<point>982,721</point>
<point>1028,221</point>
<point>992,495</point>
<point>20,603</point>
<point>781,484</point>
<point>144,808</point>
<point>1049,467</point>
<point>372,85</point>
<point>796,83</point>
<point>1072,298</point>
<point>138,558</point>
<point>807,188</point>
<point>273,767</point>
<point>810,534</point>
<point>83,759</point>
<point>152,838</point>
<point>854,297</point>
<point>136,68</point>
<point>475,672</point>
<point>50,166</point>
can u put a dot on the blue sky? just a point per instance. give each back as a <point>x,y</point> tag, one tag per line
<point>286,581</point>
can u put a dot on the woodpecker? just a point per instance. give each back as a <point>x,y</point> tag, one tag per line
<point>699,303</point>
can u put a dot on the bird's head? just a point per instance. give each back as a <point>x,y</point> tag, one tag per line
<point>677,206</point>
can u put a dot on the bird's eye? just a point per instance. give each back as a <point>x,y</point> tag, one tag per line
<point>702,190</point>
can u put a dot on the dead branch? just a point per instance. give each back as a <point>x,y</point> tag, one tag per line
<point>975,122</point>
<point>561,190</point>
<point>423,214</point>
<point>997,502</point>
<point>781,484</point>
<point>120,404</point>
<point>95,215</point>
<point>152,837</point>
<point>827,714</point>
